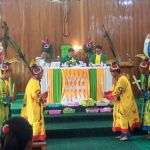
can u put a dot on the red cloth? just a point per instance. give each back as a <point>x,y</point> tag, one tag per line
<point>109,95</point>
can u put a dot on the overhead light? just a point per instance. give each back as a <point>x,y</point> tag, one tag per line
<point>77,47</point>
<point>58,1</point>
<point>126,2</point>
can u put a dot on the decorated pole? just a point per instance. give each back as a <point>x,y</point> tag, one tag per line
<point>111,45</point>
<point>8,41</point>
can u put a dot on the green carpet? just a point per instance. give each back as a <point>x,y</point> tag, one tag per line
<point>98,143</point>
<point>82,131</point>
<point>80,124</point>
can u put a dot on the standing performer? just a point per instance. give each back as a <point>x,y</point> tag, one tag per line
<point>7,92</point>
<point>34,100</point>
<point>125,112</point>
<point>145,86</point>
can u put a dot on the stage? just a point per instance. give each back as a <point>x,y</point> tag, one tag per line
<point>75,124</point>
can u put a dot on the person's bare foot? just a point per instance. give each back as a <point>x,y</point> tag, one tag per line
<point>118,137</point>
<point>124,138</point>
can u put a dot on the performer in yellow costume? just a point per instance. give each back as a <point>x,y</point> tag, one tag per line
<point>125,112</point>
<point>34,100</point>
<point>7,92</point>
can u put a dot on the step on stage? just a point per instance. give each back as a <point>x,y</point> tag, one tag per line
<point>74,124</point>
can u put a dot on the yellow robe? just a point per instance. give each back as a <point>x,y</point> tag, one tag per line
<point>125,112</point>
<point>33,110</point>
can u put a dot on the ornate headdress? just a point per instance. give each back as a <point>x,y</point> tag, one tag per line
<point>46,46</point>
<point>114,67</point>
<point>5,67</point>
<point>144,65</point>
<point>89,46</point>
<point>36,69</point>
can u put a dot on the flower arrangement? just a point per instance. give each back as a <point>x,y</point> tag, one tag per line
<point>54,112</point>
<point>47,47</point>
<point>71,62</point>
<point>68,110</point>
<point>89,47</point>
<point>105,109</point>
<point>88,102</point>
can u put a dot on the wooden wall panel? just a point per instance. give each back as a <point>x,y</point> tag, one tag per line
<point>31,20</point>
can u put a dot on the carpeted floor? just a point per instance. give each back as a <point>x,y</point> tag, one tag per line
<point>90,132</point>
<point>98,143</point>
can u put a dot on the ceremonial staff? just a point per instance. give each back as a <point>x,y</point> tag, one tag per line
<point>8,41</point>
<point>111,45</point>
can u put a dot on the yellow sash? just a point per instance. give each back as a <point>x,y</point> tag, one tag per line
<point>98,59</point>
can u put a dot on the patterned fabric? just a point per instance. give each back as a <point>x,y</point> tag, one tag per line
<point>100,81</point>
<point>33,110</point>
<point>125,112</point>
<point>75,85</point>
<point>50,84</point>
<point>100,84</point>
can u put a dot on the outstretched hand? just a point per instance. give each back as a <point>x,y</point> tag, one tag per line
<point>109,95</point>
<point>43,96</point>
